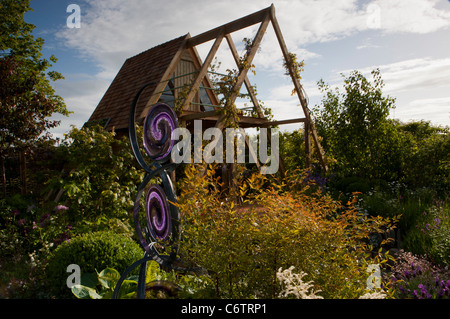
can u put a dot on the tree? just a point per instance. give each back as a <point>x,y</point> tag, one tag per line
<point>425,156</point>
<point>27,98</point>
<point>356,130</point>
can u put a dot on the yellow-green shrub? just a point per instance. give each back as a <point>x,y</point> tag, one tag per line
<point>242,246</point>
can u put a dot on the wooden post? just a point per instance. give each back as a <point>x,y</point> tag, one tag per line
<point>246,81</point>
<point>307,145</point>
<point>298,88</point>
<point>204,69</point>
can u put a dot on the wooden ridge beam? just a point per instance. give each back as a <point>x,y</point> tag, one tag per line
<point>230,27</point>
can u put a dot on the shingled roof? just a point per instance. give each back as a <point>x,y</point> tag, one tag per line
<point>137,71</point>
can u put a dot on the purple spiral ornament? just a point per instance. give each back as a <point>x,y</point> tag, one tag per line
<point>161,215</point>
<point>159,124</point>
<point>158,214</point>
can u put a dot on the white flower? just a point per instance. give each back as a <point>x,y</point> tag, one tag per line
<point>373,295</point>
<point>294,285</point>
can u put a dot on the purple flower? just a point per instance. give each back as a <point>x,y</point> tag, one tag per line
<point>423,289</point>
<point>21,222</point>
<point>436,281</point>
<point>15,212</point>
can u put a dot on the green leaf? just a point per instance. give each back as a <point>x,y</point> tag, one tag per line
<point>128,289</point>
<point>108,278</point>
<point>83,292</point>
<point>89,280</point>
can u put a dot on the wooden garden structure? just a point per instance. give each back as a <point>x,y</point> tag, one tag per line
<point>177,72</point>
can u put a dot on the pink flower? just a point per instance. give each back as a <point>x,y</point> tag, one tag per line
<point>61,207</point>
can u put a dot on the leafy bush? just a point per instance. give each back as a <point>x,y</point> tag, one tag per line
<point>356,130</point>
<point>159,284</point>
<point>435,229</point>
<point>91,251</point>
<point>425,156</point>
<point>243,246</point>
<point>102,285</point>
<point>100,174</point>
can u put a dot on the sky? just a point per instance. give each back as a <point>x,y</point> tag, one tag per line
<point>408,40</point>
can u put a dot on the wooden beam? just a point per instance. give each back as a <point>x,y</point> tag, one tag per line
<point>249,58</point>
<point>185,116</point>
<point>307,145</point>
<point>167,74</point>
<point>247,121</point>
<point>207,81</point>
<point>298,87</point>
<point>230,27</point>
<point>246,81</point>
<point>204,69</point>
<point>283,122</point>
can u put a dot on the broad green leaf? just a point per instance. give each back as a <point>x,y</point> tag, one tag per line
<point>108,277</point>
<point>128,289</point>
<point>83,292</point>
<point>89,280</point>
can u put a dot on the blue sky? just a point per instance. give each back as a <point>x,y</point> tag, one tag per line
<point>407,39</point>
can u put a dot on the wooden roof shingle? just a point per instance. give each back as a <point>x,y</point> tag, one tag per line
<point>136,71</point>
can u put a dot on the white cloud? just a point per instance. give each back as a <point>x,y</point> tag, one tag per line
<point>415,16</point>
<point>114,30</point>
<point>412,74</point>
<point>436,110</point>
<point>81,93</point>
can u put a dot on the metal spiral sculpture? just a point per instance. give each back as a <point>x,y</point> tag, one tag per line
<point>161,218</point>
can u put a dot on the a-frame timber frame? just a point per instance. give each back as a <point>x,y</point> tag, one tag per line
<point>264,18</point>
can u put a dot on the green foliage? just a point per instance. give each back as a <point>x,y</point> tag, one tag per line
<point>434,229</point>
<point>159,284</point>
<point>291,145</point>
<point>92,252</point>
<point>243,246</point>
<point>101,285</point>
<point>425,156</point>
<point>100,177</point>
<point>292,64</point>
<point>27,98</point>
<point>356,130</point>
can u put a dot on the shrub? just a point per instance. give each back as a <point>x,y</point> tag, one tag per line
<point>242,246</point>
<point>436,230</point>
<point>99,176</point>
<point>92,252</point>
